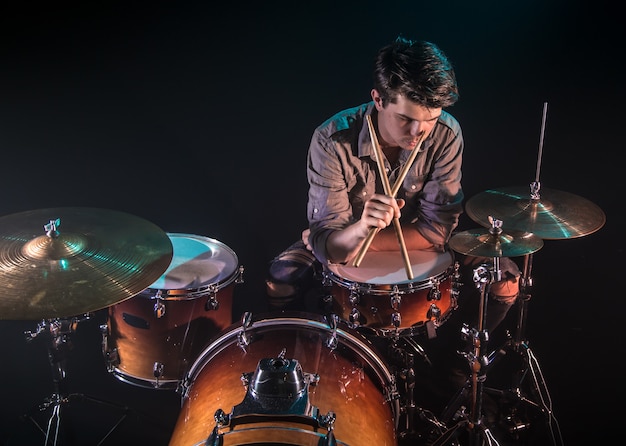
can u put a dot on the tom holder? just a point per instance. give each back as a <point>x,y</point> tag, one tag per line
<point>58,332</point>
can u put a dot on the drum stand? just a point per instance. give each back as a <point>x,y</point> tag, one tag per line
<point>59,331</point>
<point>529,367</point>
<point>408,428</point>
<point>479,434</point>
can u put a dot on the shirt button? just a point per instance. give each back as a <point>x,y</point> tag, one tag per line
<point>413,186</point>
<point>315,211</point>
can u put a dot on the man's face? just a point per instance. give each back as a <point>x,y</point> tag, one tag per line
<point>402,123</point>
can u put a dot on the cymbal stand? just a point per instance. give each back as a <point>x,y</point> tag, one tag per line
<point>479,434</point>
<point>59,331</point>
<point>529,366</point>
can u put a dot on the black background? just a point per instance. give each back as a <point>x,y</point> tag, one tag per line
<point>198,118</point>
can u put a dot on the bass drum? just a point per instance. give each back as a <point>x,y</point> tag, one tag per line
<point>151,339</point>
<point>306,381</point>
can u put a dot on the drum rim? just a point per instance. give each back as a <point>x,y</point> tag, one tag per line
<point>204,289</point>
<point>406,287</point>
<point>292,319</point>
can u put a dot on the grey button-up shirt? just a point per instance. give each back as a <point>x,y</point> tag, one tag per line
<point>342,175</point>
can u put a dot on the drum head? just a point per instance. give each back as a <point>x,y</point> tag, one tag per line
<point>387,267</point>
<point>197,262</point>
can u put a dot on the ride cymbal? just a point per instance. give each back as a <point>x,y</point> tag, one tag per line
<point>553,215</point>
<point>63,262</point>
<point>485,242</point>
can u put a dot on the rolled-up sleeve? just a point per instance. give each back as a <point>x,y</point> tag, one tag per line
<point>329,206</point>
<point>440,203</point>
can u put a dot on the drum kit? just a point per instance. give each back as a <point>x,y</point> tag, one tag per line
<point>304,378</point>
<point>168,294</point>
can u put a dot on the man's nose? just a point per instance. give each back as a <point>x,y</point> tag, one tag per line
<point>417,128</point>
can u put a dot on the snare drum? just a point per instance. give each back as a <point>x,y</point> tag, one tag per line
<point>378,297</point>
<point>151,339</point>
<point>297,379</point>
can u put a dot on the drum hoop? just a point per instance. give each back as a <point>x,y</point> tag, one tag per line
<point>161,384</point>
<point>221,342</point>
<point>309,433</point>
<point>393,288</point>
<point>194,293</point>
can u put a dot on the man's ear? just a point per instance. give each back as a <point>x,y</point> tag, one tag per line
<point>378,100</point>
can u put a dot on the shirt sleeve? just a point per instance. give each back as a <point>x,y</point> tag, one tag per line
<point>437,207</point>
<point>329,206</point>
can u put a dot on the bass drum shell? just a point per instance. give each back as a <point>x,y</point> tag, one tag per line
<point>354,383</point>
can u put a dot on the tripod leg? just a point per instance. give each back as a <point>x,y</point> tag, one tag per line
<point>54,423</point>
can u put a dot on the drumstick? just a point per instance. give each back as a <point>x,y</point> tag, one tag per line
<point>396,187</point>
<point>392,193</point>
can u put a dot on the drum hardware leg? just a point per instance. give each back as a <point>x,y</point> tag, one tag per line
<point>529,367</point>
<point>404,360</point>
<point>472,423</point>
<point>59,331</point>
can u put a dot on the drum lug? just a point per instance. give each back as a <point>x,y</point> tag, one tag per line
<point>111,356</point>
<point>332,341</point>
<point>243,340</point>
<point>355,318</point>
<point>455,286</point>
<point>354,297</point>
<point>327,282</point>
<point>434,312</point>
<point>434,293</point>
<point>239,278</point>
<point>396,299</point>
<point>221,419</point>
<point>159,309</point>
<point>396,319</point>
<point>212,303</point>
<point>157,370</point>
<point>328,422</point>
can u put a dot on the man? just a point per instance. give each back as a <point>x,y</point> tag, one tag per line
<point>413,81</point>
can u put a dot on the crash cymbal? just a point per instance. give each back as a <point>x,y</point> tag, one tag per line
<point>62,262</point>
<point>554,215</point>
<point>484,242</point>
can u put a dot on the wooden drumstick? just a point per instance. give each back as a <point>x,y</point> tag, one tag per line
<point>387,189</point>
<point>392,193</point>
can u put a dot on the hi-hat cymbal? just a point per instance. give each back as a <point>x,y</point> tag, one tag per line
<point>554,215</point>
<point>483,243</point>
<point>62,262</point>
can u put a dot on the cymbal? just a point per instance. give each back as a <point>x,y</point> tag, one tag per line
<point>483,243</point>
<point>554,215</point>
<point>62,262</point>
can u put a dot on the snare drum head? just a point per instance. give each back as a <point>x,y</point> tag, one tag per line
<point>196,262</point>
<point>387,267</point>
